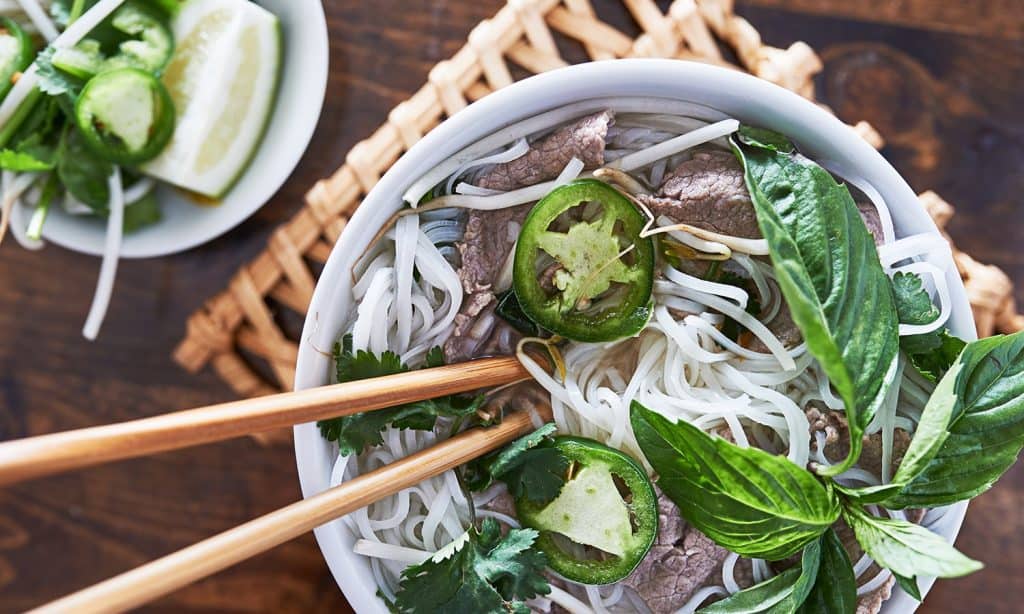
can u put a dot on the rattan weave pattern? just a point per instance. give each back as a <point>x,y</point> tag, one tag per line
<point>239,321</point>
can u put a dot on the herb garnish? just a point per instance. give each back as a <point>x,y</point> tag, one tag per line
<point>531,466</point>
<point>353,433</point>
<point>482,572</point>
<point>828,270</point>
<point>745,499</point>
<point>932,354</point>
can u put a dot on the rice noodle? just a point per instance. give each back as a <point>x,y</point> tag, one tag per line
<point>111,253</point>
<point>44,25</point>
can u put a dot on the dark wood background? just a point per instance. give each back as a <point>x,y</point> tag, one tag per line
<point>940,79</point>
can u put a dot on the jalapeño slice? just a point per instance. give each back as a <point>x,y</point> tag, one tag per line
<point>581,268</point>
<point>125,115</point>
<point>603,522</point>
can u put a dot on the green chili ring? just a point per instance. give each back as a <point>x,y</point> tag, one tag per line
<point>642,506</point>
<point>111,96</point>
<point>565,313</point>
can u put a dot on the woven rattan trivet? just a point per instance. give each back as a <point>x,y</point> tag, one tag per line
<point>236,329</point>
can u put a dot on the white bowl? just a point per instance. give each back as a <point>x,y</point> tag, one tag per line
<point>186,224</point>
<point>819,134</point>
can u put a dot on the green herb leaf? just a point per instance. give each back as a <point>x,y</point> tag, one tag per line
<point>835,588</point>
<point>906,548</point>
<point>932,358</point>
<point>356,432</point>
<point>54,81</point>
<point>909,586</point>
<point>511,311</point>
<point>143,212</point>
<point>932,354</point>
<point>828,270</point>
<point>782,594</point>
<point>986,429</point>
<point>765,139</point>
<point>482,573</point>
<point>83,173</point>
<point>913,305</point>
<point>20,161</point>
<point>745,499</point>
<point>531,466</point>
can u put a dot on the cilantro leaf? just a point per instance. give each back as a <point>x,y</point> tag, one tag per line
<point>913,305</point>
<point>932,354</point>
<point>531,466</point>
<point>54,81</point>
<point>482,573</point>
<point>354,433</point>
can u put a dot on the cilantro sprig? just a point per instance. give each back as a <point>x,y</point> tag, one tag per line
<point>354,433</point>
<point>531,466</point>
<point>483,572</point>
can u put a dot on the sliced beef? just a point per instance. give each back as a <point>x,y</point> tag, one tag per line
<point>837,439</point>
<point>490,235</point>
<point>584,139</point>
<point>682,561</point>
<point>707,191</point>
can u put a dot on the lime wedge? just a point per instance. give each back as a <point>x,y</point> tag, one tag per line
<point>222,78</point>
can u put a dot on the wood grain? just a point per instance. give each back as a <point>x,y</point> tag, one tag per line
<point>65,532</point>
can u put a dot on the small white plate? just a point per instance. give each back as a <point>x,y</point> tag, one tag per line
<point>185,223</point>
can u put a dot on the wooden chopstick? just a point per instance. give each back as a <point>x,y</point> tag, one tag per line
<point>47,454</point>
<point>157,578</point>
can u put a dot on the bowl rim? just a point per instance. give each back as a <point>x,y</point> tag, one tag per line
<point>74,233</point>
<point>817,131</point>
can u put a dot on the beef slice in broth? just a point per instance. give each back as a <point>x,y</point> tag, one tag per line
<point>490,235</point>
<point>682,561</point>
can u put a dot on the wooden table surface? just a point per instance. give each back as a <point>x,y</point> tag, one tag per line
<point>942,80</point>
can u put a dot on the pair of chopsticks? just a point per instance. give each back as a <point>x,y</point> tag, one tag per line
<point>48,454</point>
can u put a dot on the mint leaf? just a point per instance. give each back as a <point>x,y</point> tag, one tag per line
<point>907,549</point>
<point>745,499</point>
<point>828,271</point>
<point>986,428</point>
<point>485,573</point>
<point>354,433</point>
<point>909,586</point>
<point>782,594</point>
<point>531,466</point>
<point>835,588</point>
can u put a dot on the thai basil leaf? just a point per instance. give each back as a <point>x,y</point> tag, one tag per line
<point>835,588</point>
<point>782,594</point>
<point>909,586</point>
<point>143,212</point>
<point>745,499</point>
<point>83,173</point>
<point>931,433</point>
<point>905,548</point>
<point>828,270</point>
<point>986,430</point>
